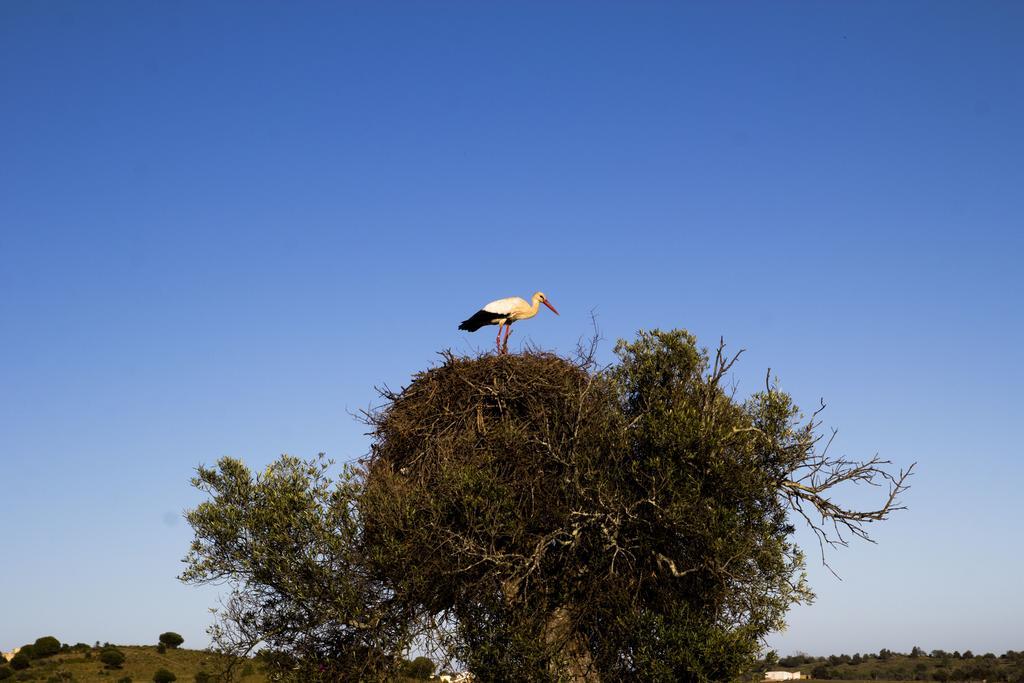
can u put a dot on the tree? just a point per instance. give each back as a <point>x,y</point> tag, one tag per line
<point>822,672</point>
<point>19,662</point>
<point>112,657</point>
<point>47,646</point>
<point>536,518</point>
<point>421,667</point>
<point>163,676</point>
<point>171,639</point>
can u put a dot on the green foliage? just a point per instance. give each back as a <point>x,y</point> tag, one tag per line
<point>535,517</point>
<point>112,657</point>
<point>161,648</point>
<point>795,660</point>
<point>28,650</point>
<point>5,671</point>
<point>47,646</point>
<point>290,537</point>
<point>20,662</point>
<point>171,639</point>
<point>203,677</point>
<point>421,667</point>
<point>821,672</point>
<point>163,676</point>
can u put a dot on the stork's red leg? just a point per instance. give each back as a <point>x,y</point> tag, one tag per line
<point>508,331</point>
<point>497,340</point>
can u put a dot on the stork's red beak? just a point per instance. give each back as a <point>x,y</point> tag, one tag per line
<point>551,307</point>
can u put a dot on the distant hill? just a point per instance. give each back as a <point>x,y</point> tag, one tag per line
<point>886,665</point>
<point>83,665</point>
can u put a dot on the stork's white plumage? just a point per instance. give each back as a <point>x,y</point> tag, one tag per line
<point>504,312</point>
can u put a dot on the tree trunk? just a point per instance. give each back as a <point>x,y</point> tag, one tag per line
<point>570,659</point>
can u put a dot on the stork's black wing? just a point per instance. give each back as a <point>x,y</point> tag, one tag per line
<point>479,319</point>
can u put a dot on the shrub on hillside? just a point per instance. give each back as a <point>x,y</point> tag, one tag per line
<point>112,657</point>
<point>161,648</point>
<point>47,646</point>
<point>164,676</point>
<point>821,672</point>
<point>20,661</point>
<point>203,677</point>
<point>28,650</point>
<point>5,672</point>
<point>171,639</point>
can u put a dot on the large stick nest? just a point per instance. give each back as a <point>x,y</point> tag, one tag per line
<point>478,465</point>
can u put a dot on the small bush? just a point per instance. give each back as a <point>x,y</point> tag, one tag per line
<point>164,676</point>
<point>5,672</point>
<point>203,677</point>
<point>28,650</point>
<point>419,668</point>
<point>47,646</point>
<point>112,657</point>
<point>161,648</point>
<point>20,662</point>
<point>171,639</point>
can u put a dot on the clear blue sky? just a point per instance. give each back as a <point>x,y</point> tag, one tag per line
<point>221,225</point>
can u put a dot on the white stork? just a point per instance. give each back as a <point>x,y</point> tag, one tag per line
<point>504,312</point>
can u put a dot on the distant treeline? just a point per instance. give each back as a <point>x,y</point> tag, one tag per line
<point>917,665</point>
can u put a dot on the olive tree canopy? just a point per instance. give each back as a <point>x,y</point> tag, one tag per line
<point>536,518</point>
